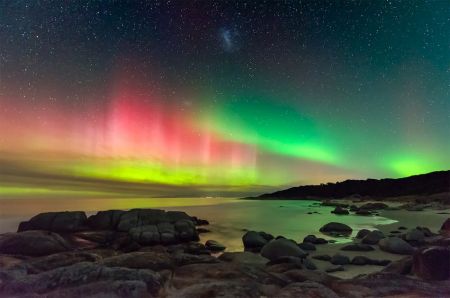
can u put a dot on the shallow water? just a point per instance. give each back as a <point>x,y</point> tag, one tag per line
<point>228,217</point>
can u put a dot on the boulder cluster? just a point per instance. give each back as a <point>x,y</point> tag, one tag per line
<point>153,253</point>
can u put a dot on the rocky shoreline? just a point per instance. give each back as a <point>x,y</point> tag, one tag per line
<point>154,253</point>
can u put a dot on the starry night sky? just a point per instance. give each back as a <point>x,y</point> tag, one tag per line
<point>220,97</point>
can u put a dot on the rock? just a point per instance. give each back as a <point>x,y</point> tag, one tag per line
<point>33,243</point>
<point>426,231</point>
<point>335,227</point>
<point>200,222</point>
<point>309,264</point>
<point>402,228</point>
<point>361,260</point>
<point>195,248</point>
<point>155,261</point>
<point>281,248</point>
<point>373,237</point>
<point>140,217</point>
<point>340,211</point>
<point>287,259</point>
<point>101,237</point>
<point>338,259</point>
<point>314,240</point>
<point>266,236</point>
<point>415,235</point>
<point>396,245</point>
<point>446,225</point>
<point>120,288</point>
<point>68,221</point>
<point>374,206</point>
<point>167,232</point>
<point>215,245</point>
<point>306,289</point>
<point>174,216</point>
<point>432,263</point>
<point>145,235</point>
<point>182,259</point>
<point>363,212</point>
<point>403,266</point>
<point>186,230</point>
<point>202,230</point>
<point>301,275</point>
<point>53,261</point>
<point>322,257</point>
<point>357,247</point>
<point>334,269</point>
<point>105,220</point>
<point>253,241</point>
<point>307,246</point>
<point>78,277</point>
<point>362,233</point>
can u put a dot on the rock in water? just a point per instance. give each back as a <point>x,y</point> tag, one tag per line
<point>340,211</point>
<point>33,243</point>
<point>214,245</point>
<point>373,237</point>
<point>307,246</point>
<point>336,227</point>
<point>338,259</point>
<point>415,235</point>
<point>396,245</point>
<point>253,241</point>
<point>362,233</point>
<point>432,263</point>
<point>282,248</point>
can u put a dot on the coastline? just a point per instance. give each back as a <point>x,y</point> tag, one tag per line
<point>186,267</point>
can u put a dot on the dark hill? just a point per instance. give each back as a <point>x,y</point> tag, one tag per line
<point>425,184</point>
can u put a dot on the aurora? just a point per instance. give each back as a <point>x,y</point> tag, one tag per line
<point>132,104</point>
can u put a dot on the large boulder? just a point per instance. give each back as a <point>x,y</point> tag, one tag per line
<point>105,220</point>
<point>33,243</point>
<point>53,261</point>
<point>336,228</point>
<point>373,237</point>
<point>140,217</point>
<point>282,248</point>
<point>145,235</point>
<point>445,228</point>
<point>68,221</point>
<point>167,233</point>
<point>253,241</point>
<point>396,245</point>
<point>186,230</point>
<point>432,263</point>
<point>76,278</point>
<point>141,260</point>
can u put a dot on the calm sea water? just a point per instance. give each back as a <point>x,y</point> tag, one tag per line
<point>228,217</point>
